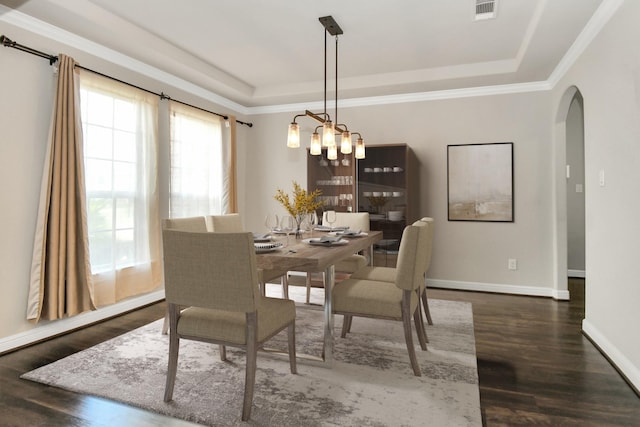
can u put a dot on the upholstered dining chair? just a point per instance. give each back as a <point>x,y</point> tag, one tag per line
<point>376,299</point>
<point>194,223</point>
<point>232,223</point>
<point>388,274</point>
<point>355,221</point>
<point>215,275</point>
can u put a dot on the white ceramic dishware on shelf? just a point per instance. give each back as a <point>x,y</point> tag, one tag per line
<point>395,215</point>
<point>377,170</point>
<point>397,169</point>
<point>368,170</point>
<point>377,194</point>
<point>387,169</point>
<point>366,193</point>
<point>387,193</point>
<point>397,194</point>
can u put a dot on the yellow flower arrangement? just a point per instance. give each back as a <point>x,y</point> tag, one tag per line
<point>303,202</point>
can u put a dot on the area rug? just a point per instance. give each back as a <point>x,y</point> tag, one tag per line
<point>370,383</point>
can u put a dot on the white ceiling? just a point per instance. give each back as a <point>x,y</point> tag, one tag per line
<point>259,52</point>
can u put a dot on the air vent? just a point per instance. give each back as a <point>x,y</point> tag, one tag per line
<point>485,9</point>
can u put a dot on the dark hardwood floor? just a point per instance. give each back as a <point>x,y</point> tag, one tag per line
<point>535,369</point>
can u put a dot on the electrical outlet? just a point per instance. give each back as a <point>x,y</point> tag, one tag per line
<point>512,264</point>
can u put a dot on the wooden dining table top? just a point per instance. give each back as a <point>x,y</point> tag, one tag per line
<point>302,256</point>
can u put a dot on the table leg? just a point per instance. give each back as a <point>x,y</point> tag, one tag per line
<point>329,281</point>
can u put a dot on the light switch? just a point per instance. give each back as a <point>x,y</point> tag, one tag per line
<point>578,188</point>
<point>568,171</point>
<point>601,177</point>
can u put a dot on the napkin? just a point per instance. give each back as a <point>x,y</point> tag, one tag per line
<point>349,232</point>
<point>329,239</point>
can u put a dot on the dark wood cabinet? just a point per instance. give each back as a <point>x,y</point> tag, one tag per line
<point>383,184</point>
<point>386,188</point>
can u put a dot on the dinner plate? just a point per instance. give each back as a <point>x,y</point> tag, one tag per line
<point>267,247</point>
<point>318,241</point>
<point>350,233</point>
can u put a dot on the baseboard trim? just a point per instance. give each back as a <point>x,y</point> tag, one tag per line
<point>577,273</point>
<point>620,362</point>
<point>58,327</point>
<point>499,288</point>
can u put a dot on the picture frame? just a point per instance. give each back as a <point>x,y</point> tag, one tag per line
<point>480,182</point>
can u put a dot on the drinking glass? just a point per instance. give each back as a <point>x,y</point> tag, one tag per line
<point>287,225</point>
<point>271,222</point>
<point>330,216</point>
<point>312,219</point>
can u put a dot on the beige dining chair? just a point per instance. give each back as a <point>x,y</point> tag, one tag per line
<point>196,224</point>
<point>214,275</point>
<point>377,299</point>
<point>388,274</point>
<point>355,221</point>
<point>232,223</point>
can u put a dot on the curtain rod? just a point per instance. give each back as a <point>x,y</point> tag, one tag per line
<point>7,42</point>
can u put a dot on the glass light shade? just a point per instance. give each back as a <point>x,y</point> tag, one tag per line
<point>359,149</point>
<point>328,134</point>
<point>345,145</point>
<point>316,145</point>
<point>332,152</point>
<point>293,138</point>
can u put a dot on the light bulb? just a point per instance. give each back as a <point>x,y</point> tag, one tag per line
<point>328,134</point>
<point>332,152</point>
<point>316,145</point>
<point>293,137</point>
<point>345,145</point>
<point>359,149</point>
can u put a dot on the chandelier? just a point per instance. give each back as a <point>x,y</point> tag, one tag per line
<point>329,128</point>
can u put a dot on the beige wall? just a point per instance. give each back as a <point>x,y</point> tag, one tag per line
<point>473,252</point>
<point>608,76</point>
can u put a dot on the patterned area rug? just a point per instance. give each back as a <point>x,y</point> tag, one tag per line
<point>370,384</point>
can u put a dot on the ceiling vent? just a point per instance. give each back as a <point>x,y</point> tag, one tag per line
<point>485,9</point>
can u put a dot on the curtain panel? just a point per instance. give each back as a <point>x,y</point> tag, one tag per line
<point>121,124</point>
<point>61,283</point>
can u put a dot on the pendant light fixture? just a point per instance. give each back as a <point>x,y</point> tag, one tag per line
<point>329,129</point>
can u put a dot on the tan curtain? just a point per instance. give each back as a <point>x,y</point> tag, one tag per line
<point>61,283</point>
<point>231,187</point>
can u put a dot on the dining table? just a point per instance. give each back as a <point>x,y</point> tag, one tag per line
<point>301,255</point>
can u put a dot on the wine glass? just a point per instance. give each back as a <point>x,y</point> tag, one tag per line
<point>287,225</point>
<point>271,222</point>
<point>312,219</point>
<point>330,217</point>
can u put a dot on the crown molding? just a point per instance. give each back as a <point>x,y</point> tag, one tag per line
<point>597,22</point>
<point>600,18</point>
<point>41,28</point>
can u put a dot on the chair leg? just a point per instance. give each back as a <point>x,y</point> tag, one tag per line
<point>223,352</point>
<point>406,322</point>
<point>174,347</point>
<point>250,373</point>
<point>346,324</point>
<point>422,335</point>
<point>308,283</point>
<point>291,333</point>
<point>263,288</point>
<point>165,324</point>
<point>284,280</point>
<point>425,304</point>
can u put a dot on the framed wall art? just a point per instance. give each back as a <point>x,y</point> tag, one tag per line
<point>480,182</point>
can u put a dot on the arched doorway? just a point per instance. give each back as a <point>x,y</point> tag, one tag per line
<point>567,129</point>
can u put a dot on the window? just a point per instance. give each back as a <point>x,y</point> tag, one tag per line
<point>119,126</point>
<point>197,172</point>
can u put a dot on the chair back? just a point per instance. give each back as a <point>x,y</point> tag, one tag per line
<point>228,223</point>
<point>429,240</point>
<point>210,270</point>
<point>353,220</point>
<point>412,256</point>
<point>196,224</point>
